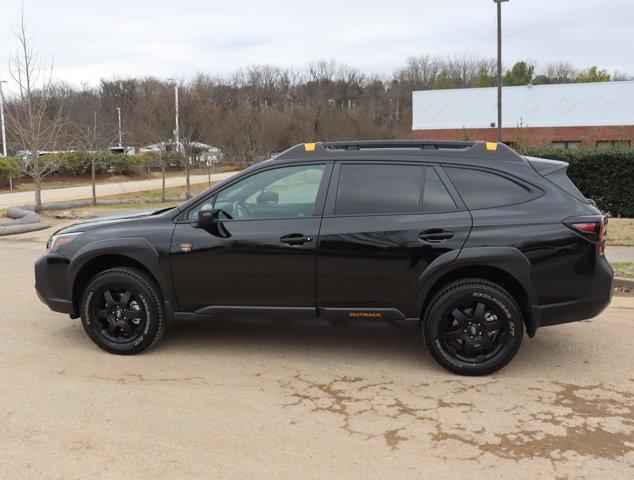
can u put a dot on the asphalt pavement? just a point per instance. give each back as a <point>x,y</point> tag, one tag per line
<point>248,400</point>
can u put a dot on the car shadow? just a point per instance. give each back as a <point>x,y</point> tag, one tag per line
<point>402,343</point>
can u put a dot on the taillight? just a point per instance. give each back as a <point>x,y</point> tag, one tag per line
<point>594,228</point>
<point>603,235</point>
<point>585,227</point>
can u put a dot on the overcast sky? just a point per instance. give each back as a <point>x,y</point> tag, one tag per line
<point>91,39</point>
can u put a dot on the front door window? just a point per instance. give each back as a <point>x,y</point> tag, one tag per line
<point>286,192</point>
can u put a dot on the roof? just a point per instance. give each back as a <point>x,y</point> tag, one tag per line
<point>399,150</point>
<point>171,143</point>
<point>557,105</point>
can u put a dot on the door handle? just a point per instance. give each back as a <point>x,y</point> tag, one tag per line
<point>435,235</point>
<point>296,239</point>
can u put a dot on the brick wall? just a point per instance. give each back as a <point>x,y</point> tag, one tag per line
<point>534,136</point>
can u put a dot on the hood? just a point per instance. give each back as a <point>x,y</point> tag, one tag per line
<point>109,220</point>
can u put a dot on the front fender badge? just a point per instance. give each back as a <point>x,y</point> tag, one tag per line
<point>185,247</point>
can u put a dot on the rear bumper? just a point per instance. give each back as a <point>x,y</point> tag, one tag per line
<point>598,298</point>
<point>50,283</point>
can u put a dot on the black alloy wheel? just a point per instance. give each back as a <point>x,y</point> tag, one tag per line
<point>122,310</point>
<point>117,315</point>
<point>473,327</point>
<point>473,330</point>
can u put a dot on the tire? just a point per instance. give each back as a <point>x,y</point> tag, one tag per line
<point>120,323</point>
<point>466,338</point>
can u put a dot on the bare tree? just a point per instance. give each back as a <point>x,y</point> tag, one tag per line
<point>35,119</point>
<point>93,141</point>
<point>153,121</point>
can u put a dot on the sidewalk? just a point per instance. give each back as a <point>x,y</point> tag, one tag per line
<point>103,189</point>
<point>619,254</point>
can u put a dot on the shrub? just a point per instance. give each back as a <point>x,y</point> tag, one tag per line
<point>605,175</point>
<point>119,164</point>
<point>72,163</point>
<point>9,168</point>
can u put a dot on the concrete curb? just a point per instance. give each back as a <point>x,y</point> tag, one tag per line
<point>623,282</point>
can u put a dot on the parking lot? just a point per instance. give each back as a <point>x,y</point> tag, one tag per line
<point>223,400</point>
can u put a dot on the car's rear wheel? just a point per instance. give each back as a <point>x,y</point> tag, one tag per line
<point>122,311</point>
<point>473,327</point>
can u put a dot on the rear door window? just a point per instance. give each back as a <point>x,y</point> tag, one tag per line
<point>369,189</point>
<point>480,189</point>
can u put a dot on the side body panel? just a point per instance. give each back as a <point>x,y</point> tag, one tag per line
<point>244,264</point>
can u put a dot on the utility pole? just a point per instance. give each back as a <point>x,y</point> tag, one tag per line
<point>4,132</point>
<point>499,69</point>
<point>120,138</point>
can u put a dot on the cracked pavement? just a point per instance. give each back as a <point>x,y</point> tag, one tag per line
<point>244,400</point>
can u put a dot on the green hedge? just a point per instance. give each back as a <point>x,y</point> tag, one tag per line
<point>79,163</point>
<point>8,169</point>
<point>605,175</point>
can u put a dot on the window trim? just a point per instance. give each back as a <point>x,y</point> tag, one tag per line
<point>613,143</point>
<point>318,208</point>
<point>533,191</point>
<point>563,144</point>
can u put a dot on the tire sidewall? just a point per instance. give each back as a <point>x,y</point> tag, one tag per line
<point>149,307</point>
<point>443,303</point>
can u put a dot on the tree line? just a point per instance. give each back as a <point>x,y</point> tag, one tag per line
<point>249,114</point>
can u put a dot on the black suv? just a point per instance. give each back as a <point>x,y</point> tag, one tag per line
<point>470,240</point>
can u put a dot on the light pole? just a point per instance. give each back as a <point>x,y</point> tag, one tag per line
<point>4,133</point>
<point>177,132</point>
<point>499,70</point>
<point>119,115</point>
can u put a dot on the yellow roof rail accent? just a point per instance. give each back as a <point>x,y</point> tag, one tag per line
<point>492,146</point>
<point>309,147</point>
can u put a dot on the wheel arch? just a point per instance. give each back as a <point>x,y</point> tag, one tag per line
<point>102,255</point>
<point>505,266</point>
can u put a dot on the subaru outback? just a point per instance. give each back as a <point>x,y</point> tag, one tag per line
<point>470,241</point>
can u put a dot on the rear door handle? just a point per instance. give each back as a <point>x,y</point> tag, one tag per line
<point>296,239</point>
<point>435,235</point>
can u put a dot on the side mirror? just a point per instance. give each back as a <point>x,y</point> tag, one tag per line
<point>206,215</point>
<point>268,197</point>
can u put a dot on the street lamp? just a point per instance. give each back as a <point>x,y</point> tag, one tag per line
<point>177,134</point>
<point>499,72</point>
<point>4,133</point>
<point>119,116</point>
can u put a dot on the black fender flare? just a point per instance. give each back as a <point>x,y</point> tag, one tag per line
<point>138,249</point>
<point>508,259</point>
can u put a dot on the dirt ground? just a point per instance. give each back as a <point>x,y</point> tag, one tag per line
<point>248,400</point>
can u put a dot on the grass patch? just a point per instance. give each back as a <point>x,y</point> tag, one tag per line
<point>621,231</point>
<point>137,200</point>
<point>51,182</point>
<point>623,269</point>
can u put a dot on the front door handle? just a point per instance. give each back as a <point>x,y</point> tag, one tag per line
<point>296,239</point>
<point>435,235</point>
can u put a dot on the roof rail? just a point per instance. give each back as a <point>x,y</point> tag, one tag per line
<point>416,144</point>
<point>446,148</point>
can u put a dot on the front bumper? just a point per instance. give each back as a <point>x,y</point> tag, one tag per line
<point>51,284</point>
<point>591,305</point>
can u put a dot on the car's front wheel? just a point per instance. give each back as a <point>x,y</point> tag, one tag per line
<point>122,311</point>
<point>473,327</point>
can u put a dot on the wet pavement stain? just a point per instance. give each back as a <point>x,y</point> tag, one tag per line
<point>556,420</point>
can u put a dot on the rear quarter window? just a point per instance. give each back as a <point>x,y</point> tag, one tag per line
<point>481,189</point>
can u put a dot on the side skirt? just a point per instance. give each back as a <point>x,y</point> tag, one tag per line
<point>340,316</point>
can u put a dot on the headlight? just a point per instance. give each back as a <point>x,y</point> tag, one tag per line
<point>60,239</point>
